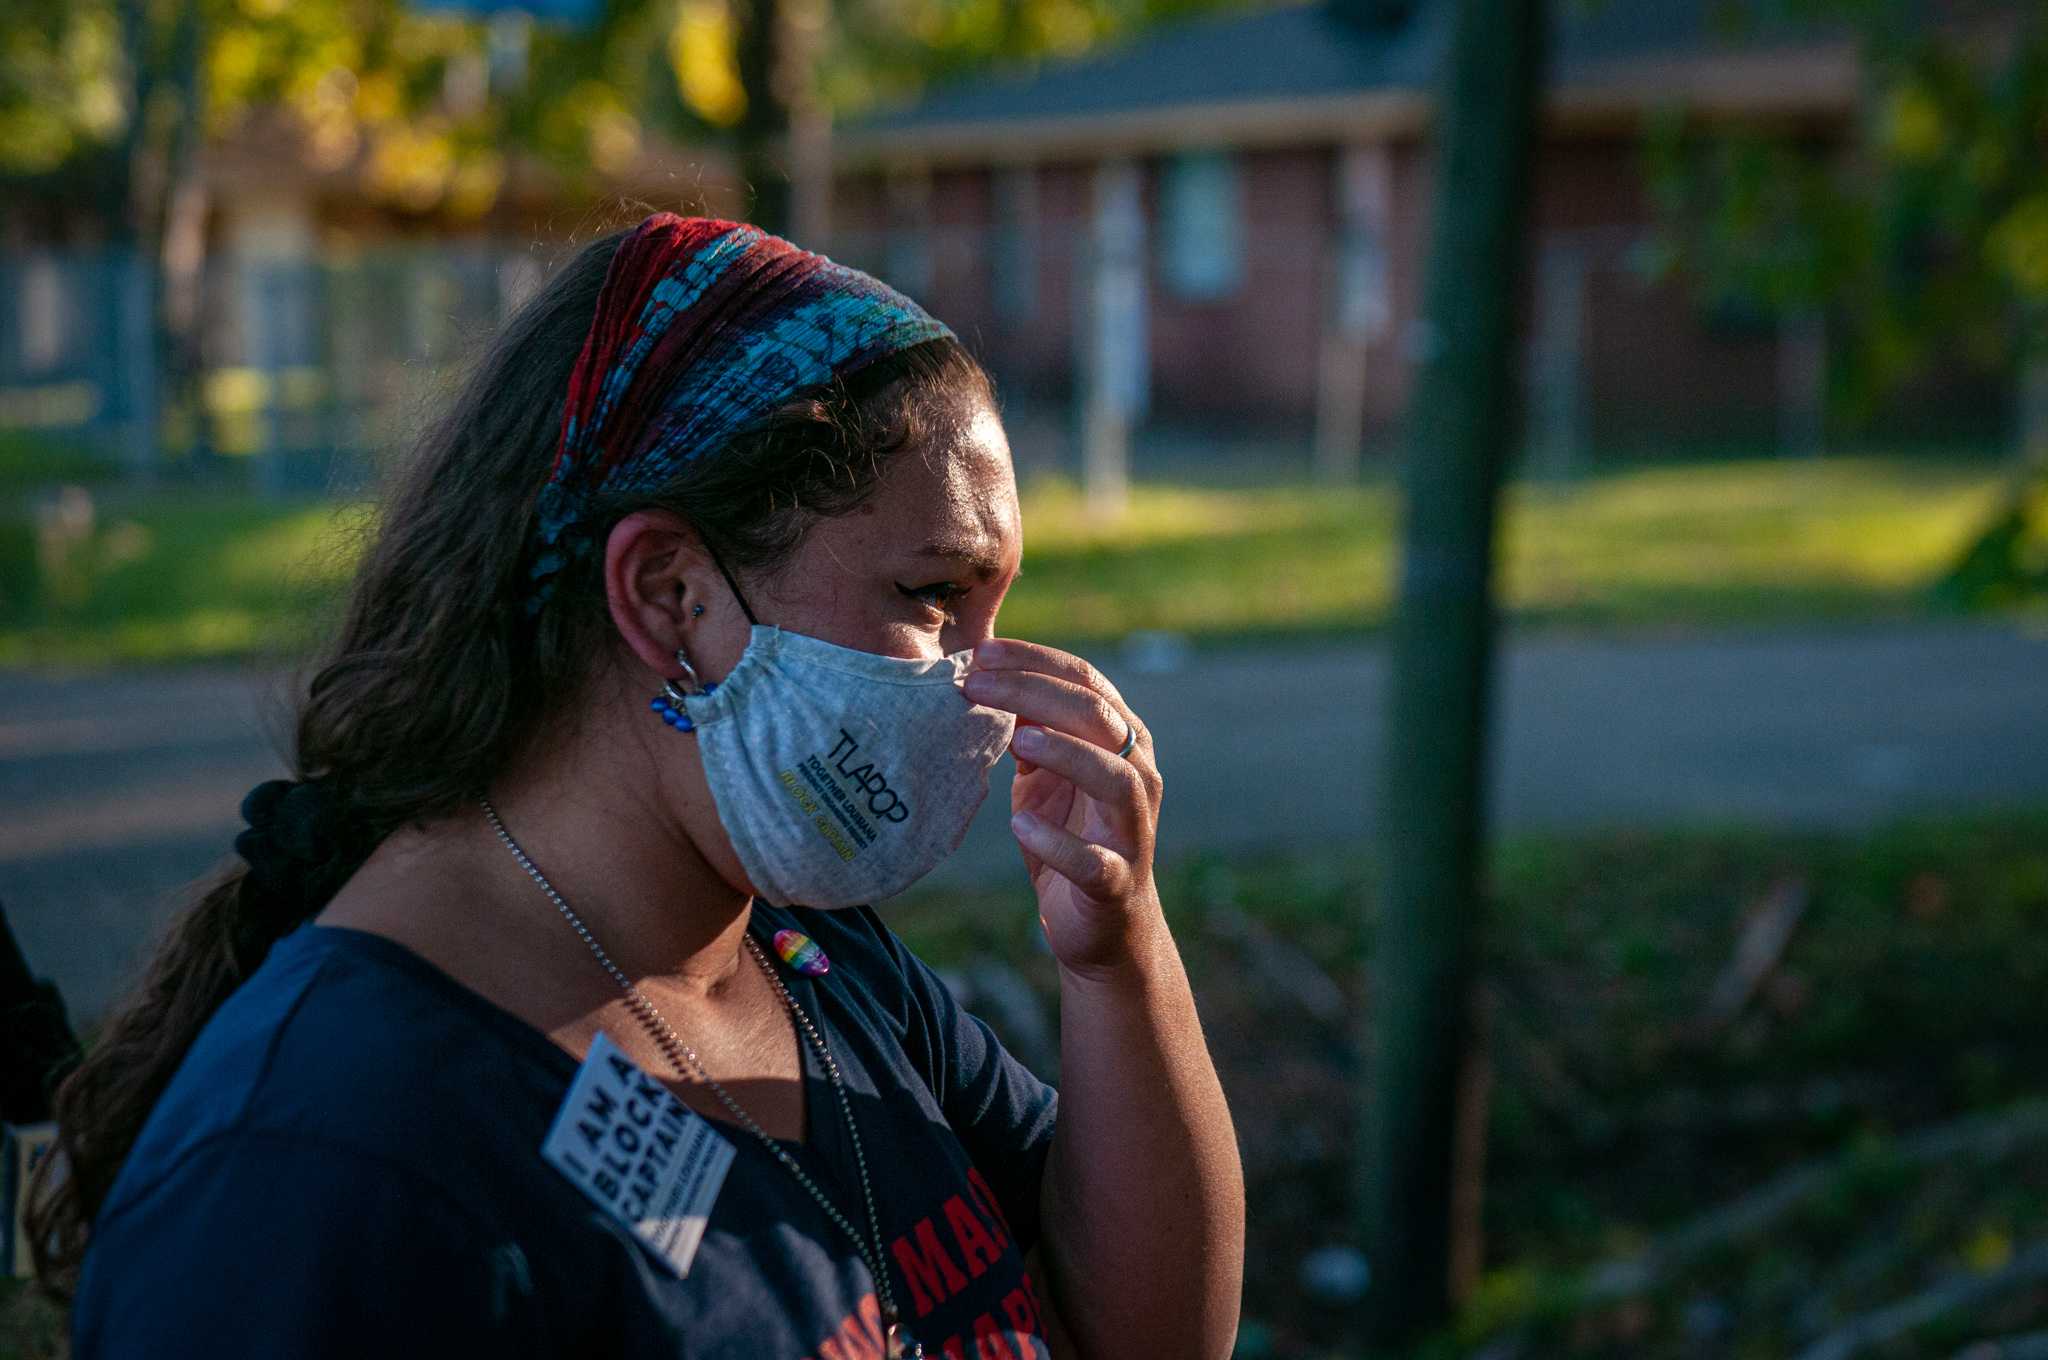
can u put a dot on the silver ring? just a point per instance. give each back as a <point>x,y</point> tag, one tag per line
<point>1130,739</point>
<point>696,686</point>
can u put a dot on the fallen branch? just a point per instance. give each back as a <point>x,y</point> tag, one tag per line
<point>1282,968</point>
<point>1983,1136</point>
<point>1765,933</point>
<point>1886,1248</point>
<point>1963,1290</point>
<point>2032,1346</point>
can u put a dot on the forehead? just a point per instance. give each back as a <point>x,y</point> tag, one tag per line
<point>955,497</point>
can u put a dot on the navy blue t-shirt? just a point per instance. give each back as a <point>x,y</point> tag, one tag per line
<point>348,1162</point>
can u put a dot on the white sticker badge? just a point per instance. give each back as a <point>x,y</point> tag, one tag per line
<point>641,1155</point>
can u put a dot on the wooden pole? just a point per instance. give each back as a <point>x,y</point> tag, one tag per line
<point>1462,426</point>
<point>1558,405</point>
<point>1113,347</point>
<point>1359,308</point>
<point>1802,383</point>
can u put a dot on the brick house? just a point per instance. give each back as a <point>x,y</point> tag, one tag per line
<point>1223,224</point>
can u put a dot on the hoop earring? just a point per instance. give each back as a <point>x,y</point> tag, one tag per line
<point>671,704</point>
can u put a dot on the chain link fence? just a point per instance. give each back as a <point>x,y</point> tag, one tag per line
<point>1118,349</point>
<point>305,369</point>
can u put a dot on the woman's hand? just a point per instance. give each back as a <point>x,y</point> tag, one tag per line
<point>1143,1201</point>
<point>1085,817</point>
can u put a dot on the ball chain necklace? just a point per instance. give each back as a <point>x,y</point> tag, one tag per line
<point>897,1344</point>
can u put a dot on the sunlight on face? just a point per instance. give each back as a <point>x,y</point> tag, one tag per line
<point>922,568</point>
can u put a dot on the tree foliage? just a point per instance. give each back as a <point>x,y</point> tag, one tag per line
<point>57,93</point>
<point>425,111</point>
<point>1921,237</point>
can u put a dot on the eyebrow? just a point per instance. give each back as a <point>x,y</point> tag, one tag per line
<point>985,564</point>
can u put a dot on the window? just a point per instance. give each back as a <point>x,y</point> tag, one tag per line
<point>1202,222</point>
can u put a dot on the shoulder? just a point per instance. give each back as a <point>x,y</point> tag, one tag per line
<point>855,939</point>
<point>348,1138</point>
<point>349,1048</point>
<point>262,1243</point>
<point>867,960</point>
<point>875,976</point>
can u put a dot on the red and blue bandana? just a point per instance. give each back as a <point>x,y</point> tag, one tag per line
<point>703,327</point>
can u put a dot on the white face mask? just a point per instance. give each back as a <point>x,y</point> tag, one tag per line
<point>843,776</point>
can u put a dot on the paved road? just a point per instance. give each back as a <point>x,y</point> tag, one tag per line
<point>115,790</point>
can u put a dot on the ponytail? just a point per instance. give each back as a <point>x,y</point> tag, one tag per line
<point>100,1108</point>
<point>409,710</point>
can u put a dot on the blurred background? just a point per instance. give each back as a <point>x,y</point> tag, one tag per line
<point>1752,963</point>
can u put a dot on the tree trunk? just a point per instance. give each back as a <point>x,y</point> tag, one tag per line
<point>131,234</point>
<point>759,140</point>
<point>154,205</point>
<point>178,252</point>
<point>1462,426</point>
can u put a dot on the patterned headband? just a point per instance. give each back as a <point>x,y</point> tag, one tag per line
<point>703,327</point>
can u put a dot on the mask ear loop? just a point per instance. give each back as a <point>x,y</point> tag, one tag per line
<point>734,586</point>
<point>672,704</point>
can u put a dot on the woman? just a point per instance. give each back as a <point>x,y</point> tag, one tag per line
<point>544,1018</point>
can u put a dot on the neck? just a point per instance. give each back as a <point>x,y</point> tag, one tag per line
<point>617,853</point>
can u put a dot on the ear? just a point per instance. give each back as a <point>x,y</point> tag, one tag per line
<point>655,567</point>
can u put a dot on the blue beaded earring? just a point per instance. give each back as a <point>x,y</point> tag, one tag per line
<point>669,704</point>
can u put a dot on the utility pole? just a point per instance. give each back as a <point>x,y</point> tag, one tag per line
<point>1462,425</point>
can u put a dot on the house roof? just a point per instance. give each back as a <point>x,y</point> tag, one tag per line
<point>1254,76</point>
<point>1294,50</point>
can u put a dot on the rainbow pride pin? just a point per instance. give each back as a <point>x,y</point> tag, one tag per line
<point>801,952</point>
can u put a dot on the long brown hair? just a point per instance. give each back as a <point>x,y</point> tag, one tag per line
<point>425,693</point>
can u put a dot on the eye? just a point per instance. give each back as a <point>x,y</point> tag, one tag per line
<point>939,595</point>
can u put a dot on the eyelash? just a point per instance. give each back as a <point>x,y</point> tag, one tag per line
<point>939,595</point>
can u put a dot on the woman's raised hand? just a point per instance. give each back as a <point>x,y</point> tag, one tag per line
<point>1086,817</point>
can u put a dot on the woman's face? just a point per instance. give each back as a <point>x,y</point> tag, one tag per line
<point>921,569</point>
<point>918,573</point>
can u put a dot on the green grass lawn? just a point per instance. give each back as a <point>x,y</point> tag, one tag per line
<point>192,576</point>
<point>176,579</point>
<point>1681,546</point>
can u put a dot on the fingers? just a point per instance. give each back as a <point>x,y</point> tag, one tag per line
<point>1013,654</point>
<point>1054,702</point>
<point>1096,870</point>
<point>1116,784</point>
<point>1073,723</point>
